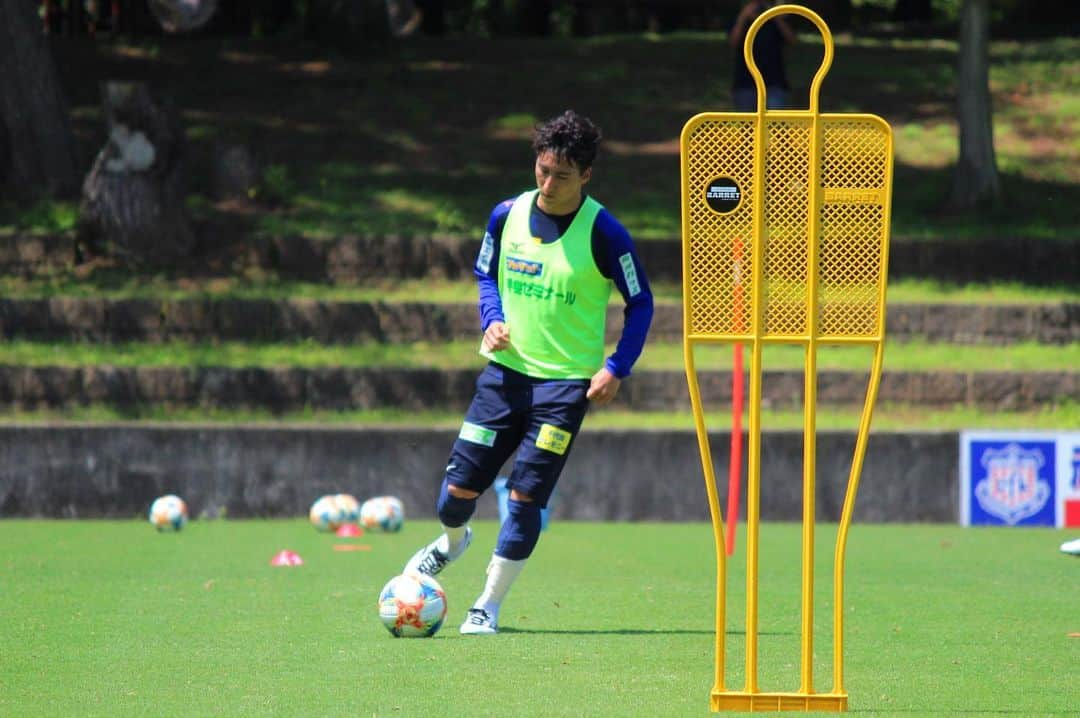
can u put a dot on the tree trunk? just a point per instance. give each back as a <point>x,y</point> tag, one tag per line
<point>976,180</point>
<point>37,147</point>
<point>133,197</point>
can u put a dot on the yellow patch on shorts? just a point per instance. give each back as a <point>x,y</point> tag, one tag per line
<point>553,439</point>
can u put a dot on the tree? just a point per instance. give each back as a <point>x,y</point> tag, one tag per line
<point>976,179</point>
<point>37,146</point>
<point>133,198</point>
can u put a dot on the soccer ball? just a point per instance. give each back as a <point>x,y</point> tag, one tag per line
<point>412,606</point>
<point>168,513</point>
<point>325,514</point>
<point>349,507</point>
<point>385,513</point>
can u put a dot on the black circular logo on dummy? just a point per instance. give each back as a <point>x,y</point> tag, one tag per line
<point>723,195</point>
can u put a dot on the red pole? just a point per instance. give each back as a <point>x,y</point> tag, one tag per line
<point>735,453</point>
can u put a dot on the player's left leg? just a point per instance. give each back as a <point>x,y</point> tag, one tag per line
<point>558,410</point>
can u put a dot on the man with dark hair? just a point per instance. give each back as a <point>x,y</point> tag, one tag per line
<point>546,267</point>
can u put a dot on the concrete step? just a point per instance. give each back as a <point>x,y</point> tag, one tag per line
<point>336,322</point>
<point>293,389</point>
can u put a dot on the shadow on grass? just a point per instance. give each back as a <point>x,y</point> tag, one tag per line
<point>635,632</point>
<point>955,712</point>
<point>1029,208</point>
<point>427,136</point>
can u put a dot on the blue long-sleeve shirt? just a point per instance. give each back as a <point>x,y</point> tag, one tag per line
<point>610,242</point>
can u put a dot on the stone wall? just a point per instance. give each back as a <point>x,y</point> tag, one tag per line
<point>342,322</point>
<point>417,389</point>
<point>28,254</point>
<point>350,259</point>
<point>91,471</point>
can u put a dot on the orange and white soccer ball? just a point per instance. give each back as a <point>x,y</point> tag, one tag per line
<point>349,507</point>
<point>168,513</point>
<point>382,513</point>
<point>412,606</point>
<point>325,514</point>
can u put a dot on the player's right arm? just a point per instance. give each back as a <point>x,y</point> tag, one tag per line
<point>486,269</point>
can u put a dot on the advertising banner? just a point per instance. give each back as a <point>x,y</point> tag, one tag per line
<point>1020,478</point>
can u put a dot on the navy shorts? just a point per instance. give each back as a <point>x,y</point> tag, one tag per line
<point>538,418</point>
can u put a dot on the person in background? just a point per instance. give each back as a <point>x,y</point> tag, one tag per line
<point>768,56</point>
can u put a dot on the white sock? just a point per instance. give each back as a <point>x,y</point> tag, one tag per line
<point>454,537</point>
<point>501,573</point>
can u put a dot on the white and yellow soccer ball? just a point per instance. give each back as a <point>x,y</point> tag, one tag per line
<point>412,606</point>
<point>382,513</point>
<point>168,513</point>
<point>349,507</point>
<point>325,514</point>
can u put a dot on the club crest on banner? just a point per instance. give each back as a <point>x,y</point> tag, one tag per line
<point>1012,489</point>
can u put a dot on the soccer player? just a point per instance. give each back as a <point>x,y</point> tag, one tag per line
<point>546,267</point>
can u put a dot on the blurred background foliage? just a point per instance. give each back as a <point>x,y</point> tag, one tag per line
<point>352,21</point>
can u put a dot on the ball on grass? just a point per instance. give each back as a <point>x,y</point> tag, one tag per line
<point>168,513</point>
<point>326,514</point>
<point>412,606</point>
<point>382,513</point>
<point>349,507</point>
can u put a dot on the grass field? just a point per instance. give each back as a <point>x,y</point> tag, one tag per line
<point>887,417</point>
<point>111,283</point>
<point>916,355</point>
<point>106,618</point>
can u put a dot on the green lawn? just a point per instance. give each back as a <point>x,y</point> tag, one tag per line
<point>106,618</point>
<point>916,355</point>
<point>114,284</point>
<point>887,417</point>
